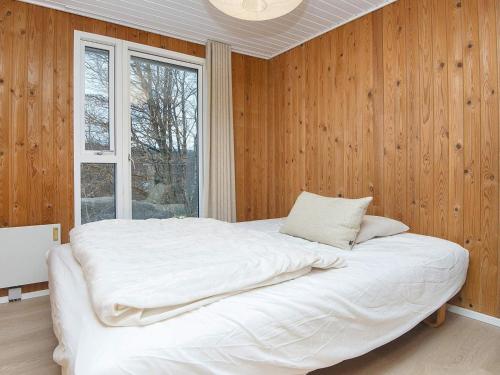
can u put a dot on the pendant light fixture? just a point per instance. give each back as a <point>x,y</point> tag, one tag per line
<point>256,10</point>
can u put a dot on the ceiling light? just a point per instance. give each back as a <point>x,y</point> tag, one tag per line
<point>256,10</point>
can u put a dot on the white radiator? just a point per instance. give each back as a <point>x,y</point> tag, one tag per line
<point>22,253</point>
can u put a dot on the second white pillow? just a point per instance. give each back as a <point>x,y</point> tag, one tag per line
<point>378,226</point>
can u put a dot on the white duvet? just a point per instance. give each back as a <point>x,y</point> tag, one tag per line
<point>142,272</point>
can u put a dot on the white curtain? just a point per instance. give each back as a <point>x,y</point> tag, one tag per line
<point>219,197</point>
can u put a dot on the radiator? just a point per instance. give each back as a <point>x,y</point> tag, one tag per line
<point>22,253</point>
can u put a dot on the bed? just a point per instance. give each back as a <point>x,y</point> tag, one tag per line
<point>389,286</point>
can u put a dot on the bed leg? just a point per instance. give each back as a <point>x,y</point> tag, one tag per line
<point>438,318</point>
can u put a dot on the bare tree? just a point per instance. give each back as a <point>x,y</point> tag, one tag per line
<point>164,123</point>
<point>97,114</point>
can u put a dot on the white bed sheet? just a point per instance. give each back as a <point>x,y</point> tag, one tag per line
<point>315,321</point>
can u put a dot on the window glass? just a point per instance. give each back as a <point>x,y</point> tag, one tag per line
<point>98,201</point>
<point>97,108</point>
<point>164,143</point>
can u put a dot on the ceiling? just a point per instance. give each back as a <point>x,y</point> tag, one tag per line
<point>198,20</point>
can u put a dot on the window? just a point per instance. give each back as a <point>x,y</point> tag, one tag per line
<point>164,142</point>
<point>138,120</point>
<point>98,198</point>
<point>98,98</point>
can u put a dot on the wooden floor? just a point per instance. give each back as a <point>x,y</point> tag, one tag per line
<point>461,347</point>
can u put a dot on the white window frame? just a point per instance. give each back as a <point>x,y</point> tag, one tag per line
<point>120,132</point>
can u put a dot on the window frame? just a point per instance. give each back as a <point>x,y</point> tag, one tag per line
<point>120,130</point>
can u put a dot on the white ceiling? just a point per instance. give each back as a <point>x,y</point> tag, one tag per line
<point>198,20</point>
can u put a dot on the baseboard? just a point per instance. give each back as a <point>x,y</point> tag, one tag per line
<point>28,295</point>
<point>474,315</point>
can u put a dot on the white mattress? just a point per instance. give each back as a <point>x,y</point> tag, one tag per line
<point>315,321</point>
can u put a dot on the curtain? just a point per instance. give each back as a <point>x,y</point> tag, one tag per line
<point>219,197</point>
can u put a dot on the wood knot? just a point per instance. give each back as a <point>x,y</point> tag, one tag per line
<point>459,4</point>
<point>458,146</point>
<point>469,45</point>
<point>459,64</point>
<point>442,65</point>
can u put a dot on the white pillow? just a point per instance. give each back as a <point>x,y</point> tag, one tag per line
<point>378,226</point>
<point>331,221</point>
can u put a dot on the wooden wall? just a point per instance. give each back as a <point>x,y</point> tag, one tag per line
<point>403,105</point>
<point>252,135</point>
<point>36,108</point>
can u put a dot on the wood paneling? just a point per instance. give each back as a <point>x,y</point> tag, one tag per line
<point>250,105</point>
<point>401,104</point>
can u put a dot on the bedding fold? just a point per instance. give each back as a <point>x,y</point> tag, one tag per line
<point>142,272</point>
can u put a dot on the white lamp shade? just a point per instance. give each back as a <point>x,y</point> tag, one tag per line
<point>256,10</point>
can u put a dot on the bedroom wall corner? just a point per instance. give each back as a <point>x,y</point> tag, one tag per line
<point>402,104</point>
